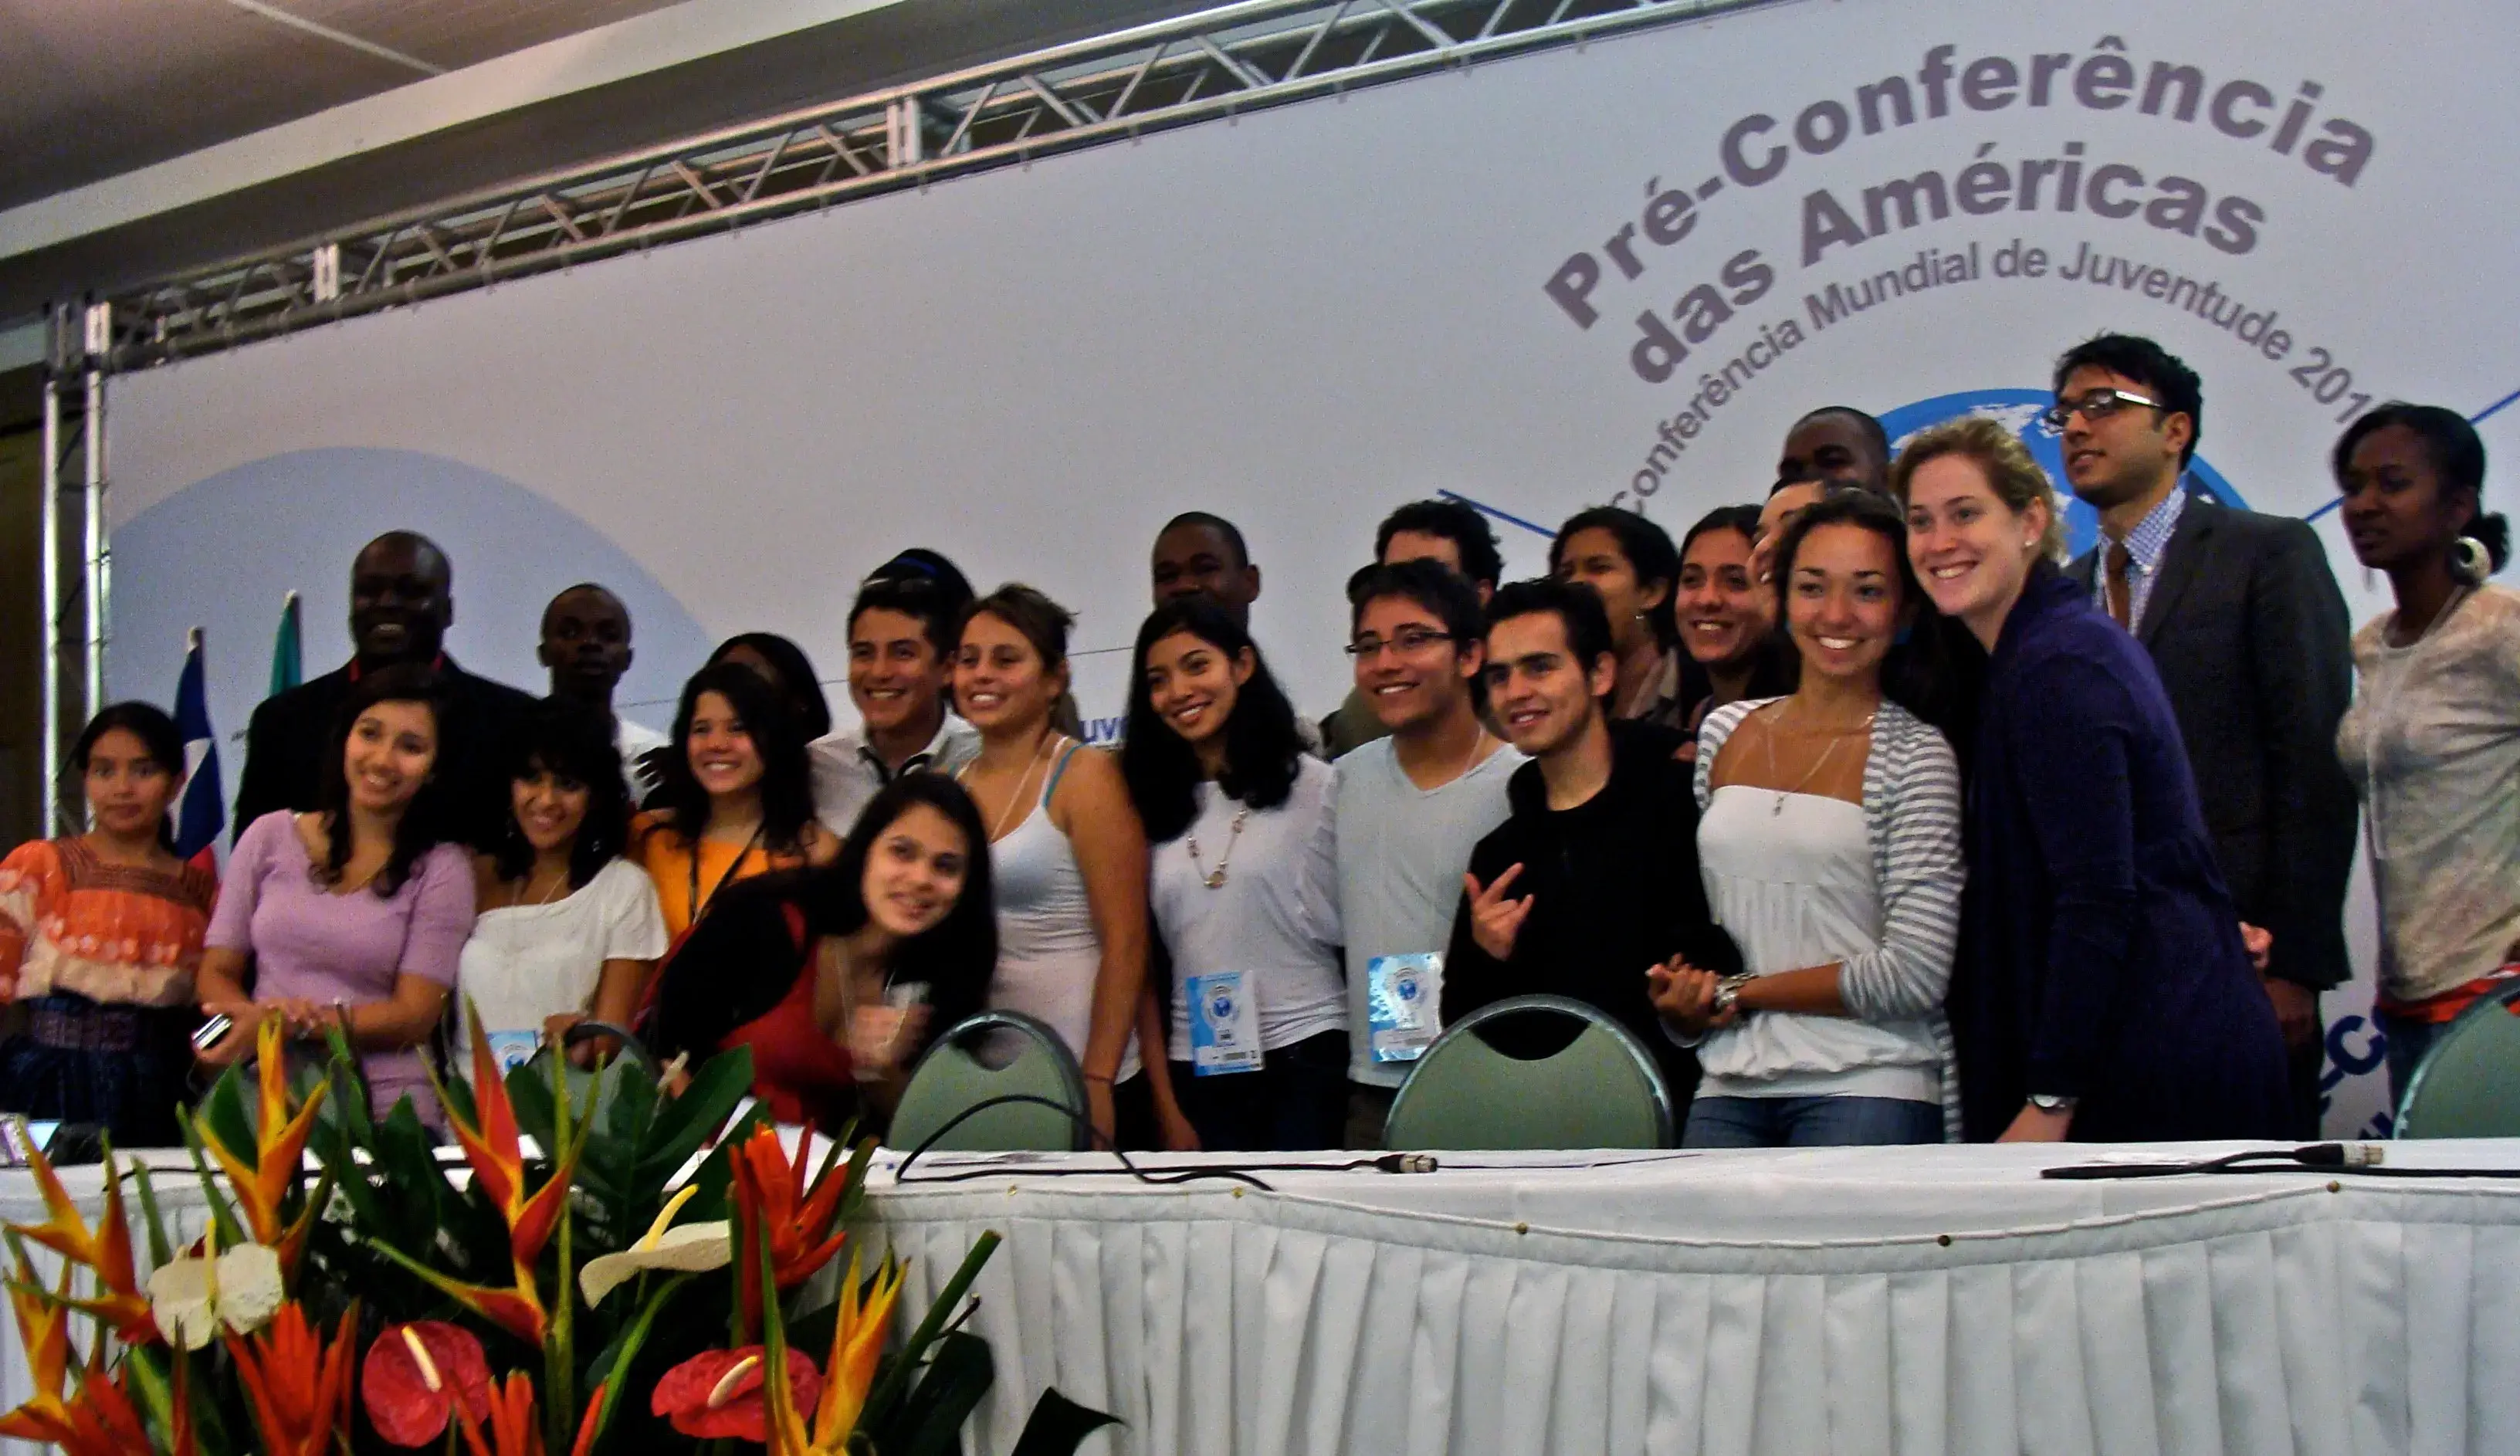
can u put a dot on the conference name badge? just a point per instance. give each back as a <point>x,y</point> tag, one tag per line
<point>1224,1024</point>
<point>1401,996</point>
<point>514,1049</point>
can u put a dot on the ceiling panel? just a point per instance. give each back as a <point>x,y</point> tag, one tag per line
<point>98,87</point>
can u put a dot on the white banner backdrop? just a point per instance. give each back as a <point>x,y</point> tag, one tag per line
<point>1613,273</point>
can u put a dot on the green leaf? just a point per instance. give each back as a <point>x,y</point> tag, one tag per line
<point>686,1122</point>
<point>614,1361</point>
<point>223,1116</point>
<point>951,1388</point>
<point>223,1219</point>
<point>1058,1426</point>
<point>159,1249</point>
<point>890,1387</point>
<point>531,1094</point>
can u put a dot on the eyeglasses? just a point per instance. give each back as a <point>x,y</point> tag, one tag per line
<point>1408,642</point>
<point>2096,406</point>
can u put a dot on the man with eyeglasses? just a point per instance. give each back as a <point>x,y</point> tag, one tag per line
<point>1445,531</point>
<point>1411,806</point>
<point>1592,878</point>
<point>2249,632</point>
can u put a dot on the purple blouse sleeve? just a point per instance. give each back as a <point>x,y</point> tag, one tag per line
<point>441,916</point>
<point>230,924</point>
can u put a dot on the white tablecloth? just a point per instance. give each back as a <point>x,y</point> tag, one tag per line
<point>1919,1299</point>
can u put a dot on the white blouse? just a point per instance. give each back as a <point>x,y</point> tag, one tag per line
<point>524,963</point>
<point>1276,918</point>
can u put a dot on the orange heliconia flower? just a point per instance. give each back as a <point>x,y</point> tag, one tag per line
<point>107,1252</point>
<point>772,1196</point>
<point>297,1385</point>
<point>857,1347</point>
<point>514,1428</point>
<point>279,1145</point>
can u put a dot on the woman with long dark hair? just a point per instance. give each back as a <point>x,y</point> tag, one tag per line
<point>1829,841</point>
<point>1632,563</point>
<point>838,977</point>
<point>734,797</point>
<point>2433,738</point>
<point>568,927</point>
<point>1243,877</point>
<point>1068,855</point>
<point>100,937</point>
<point>2103,991</point>
<point>1727,618</point>
<point>354,915</point>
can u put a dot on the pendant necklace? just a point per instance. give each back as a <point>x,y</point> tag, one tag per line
<point>1215,879</point>
<point>1778,807</point>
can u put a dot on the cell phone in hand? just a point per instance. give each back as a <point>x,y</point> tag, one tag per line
<point>208,1034</point>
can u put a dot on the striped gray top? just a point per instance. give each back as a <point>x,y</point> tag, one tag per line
<point>1912,813</point>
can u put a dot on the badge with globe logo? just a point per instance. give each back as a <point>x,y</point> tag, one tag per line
<point>2021,411</point>
<point>1224,1026</point>
<point>1401,991</point>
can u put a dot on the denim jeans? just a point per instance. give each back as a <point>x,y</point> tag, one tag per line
<point>1810,1122</point>
<point>2406,1042</point>
<point>1297,1100</point>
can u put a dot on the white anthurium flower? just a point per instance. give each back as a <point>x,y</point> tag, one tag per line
<point>195,1296</point>
<point>692,1248</point>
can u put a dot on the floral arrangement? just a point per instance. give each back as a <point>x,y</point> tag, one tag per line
<point>607,1240</point>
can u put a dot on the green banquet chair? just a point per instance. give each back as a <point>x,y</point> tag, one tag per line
<point>1602,1091</point>
<point>2468,1085</point>
<point>994,1053</point>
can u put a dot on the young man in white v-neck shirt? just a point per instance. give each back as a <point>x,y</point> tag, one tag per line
<point>1410,807</point>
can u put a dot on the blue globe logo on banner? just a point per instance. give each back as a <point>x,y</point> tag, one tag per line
<point>2020,409</point>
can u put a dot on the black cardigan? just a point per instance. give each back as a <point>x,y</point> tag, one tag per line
<point>1616,889</point>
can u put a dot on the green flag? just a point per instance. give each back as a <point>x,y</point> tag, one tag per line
<point>288,668</point>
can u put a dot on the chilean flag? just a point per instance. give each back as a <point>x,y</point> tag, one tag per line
<point>203,813</point>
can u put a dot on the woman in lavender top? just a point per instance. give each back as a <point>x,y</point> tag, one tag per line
<point>354,915</point>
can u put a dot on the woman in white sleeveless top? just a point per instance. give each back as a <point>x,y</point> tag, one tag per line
<point>1067,855</point>
<point>1829,839</point>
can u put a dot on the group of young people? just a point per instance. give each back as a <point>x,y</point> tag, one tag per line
<point>1869,815</point>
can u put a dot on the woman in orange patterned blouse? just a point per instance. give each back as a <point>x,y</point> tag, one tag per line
<point>100,934</point>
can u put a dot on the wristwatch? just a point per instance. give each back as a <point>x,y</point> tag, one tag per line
<point>1728,992</point>
<point>2049,1102</point>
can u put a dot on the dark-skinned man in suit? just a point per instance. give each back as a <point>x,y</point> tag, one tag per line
<point>402,601</point>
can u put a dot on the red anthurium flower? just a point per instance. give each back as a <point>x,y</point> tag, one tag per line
<point>107,1252</point>
<point>771,1193</point>
<point>415,1373</point>
<point>279,1142</point>
<point>721,1393</point>
<point>298,1387</point>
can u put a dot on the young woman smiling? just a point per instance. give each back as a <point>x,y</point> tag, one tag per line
<point>2433,739</point>
<point>1243,876</point>
<point>99,937</point>
<point>568,929</point>
<point>1068,856</point>
<point>354,915</point>
<point>838,977</point>
<point>1629,561</point>
<point>1829,842</point>
<point>2105,993</point>
<point>1727,618</point>
<point>736,801</point>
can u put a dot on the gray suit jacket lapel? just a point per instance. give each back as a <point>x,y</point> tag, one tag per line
<point>2179,562</point>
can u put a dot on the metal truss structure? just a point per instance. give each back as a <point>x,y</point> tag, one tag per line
<point>1217,63</point>
<point>74,531</point>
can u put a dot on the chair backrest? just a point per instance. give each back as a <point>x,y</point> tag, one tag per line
<point>1602,1090</point>
<point>2468,1085</point>
<point>994,1053</point>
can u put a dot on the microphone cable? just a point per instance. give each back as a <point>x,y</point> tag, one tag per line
<point>2362,1159</point>
<point>1233,1172</point>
